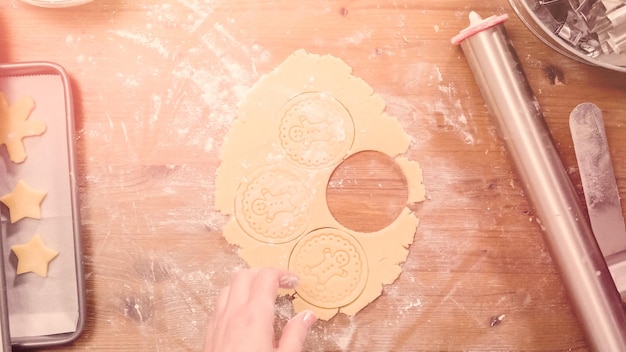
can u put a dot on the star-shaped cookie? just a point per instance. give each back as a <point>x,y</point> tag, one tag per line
<point>15,125</point>
<point>23,202</point>
<point>34,256</point>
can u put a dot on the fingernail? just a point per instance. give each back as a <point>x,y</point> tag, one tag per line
<point>289,281</point>
<point>309,319</point>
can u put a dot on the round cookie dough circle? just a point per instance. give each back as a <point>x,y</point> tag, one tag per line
<point>332,266</point>
<point>273,205</point>
<point>316,130</point>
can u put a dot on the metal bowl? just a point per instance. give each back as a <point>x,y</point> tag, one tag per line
<point>528,10</point>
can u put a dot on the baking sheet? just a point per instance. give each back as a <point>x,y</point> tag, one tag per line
<point>42,306</point>
<point>5,340</point>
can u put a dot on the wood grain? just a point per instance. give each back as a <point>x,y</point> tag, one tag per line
<point>367,185</point>
<point>156,84</point>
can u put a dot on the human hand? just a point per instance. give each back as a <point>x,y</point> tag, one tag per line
<point>243,320</point>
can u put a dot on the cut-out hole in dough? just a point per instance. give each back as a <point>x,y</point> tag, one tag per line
<point>316,130</point>
<point>367,185</point>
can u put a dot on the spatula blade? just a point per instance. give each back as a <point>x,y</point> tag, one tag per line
<point>598,178</point>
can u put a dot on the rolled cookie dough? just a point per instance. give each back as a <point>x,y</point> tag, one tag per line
<point>23,202</point>
<point>33,256</point>
<point>297,124</point>
<point>15,125</point>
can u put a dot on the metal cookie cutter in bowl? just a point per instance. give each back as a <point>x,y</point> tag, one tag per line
<point>589,31</point>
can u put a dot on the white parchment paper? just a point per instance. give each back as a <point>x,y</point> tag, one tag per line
<point>42,306</point>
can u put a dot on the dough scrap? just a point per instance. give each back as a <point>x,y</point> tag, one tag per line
<point>34,256</point>
<point>15,126</point>
<point>23,202</point>
<point>296,125</point>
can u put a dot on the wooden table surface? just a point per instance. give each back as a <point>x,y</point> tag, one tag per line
<point>156,83</point>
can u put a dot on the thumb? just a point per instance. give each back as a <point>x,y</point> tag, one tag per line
<point>294,333</point>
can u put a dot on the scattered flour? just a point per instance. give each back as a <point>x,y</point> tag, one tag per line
<point>444,110</point>
<point>213,67</point>
<point>357,38</point>
<point>219,86</point>
<point>417,303</point>
<point>453,113</point>
<point>145,40</point>
<point>345,338</point>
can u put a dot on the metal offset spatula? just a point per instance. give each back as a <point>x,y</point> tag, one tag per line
<point>600,188</point>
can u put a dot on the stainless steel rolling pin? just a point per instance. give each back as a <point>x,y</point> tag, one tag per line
<point>515,111</point>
